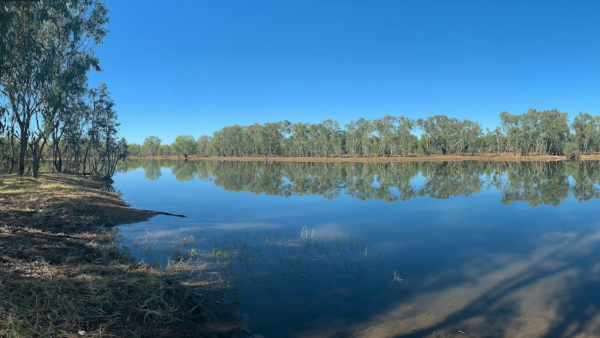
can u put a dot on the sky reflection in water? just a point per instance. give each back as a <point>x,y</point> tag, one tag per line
<point>490,249</point>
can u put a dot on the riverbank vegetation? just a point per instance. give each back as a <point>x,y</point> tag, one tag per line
<point>535,133</point>
<point>62,273</point>
<point>47,109</point>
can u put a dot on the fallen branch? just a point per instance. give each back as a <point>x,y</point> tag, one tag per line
<point>162,213</point>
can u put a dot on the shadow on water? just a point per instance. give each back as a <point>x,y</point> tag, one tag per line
<point>549,296</point>
<point>575,307</point>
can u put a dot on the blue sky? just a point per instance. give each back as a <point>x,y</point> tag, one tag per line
<point>191,67</point>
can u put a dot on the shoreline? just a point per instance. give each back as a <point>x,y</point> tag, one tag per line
<point>433,158</point>
<point>62,271</point>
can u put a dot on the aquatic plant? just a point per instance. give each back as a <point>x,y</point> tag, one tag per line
<point>397,277</point>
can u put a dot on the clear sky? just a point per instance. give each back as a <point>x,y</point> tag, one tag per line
<point>191,67</point>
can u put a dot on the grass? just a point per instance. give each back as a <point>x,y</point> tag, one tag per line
<point>62,275</point>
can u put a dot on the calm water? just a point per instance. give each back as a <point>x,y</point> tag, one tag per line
<point>383,250</point>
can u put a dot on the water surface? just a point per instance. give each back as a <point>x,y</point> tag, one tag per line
<point>383,250</point>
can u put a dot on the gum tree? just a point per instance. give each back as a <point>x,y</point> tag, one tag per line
<point>151,146</point>
<point>47,51</point>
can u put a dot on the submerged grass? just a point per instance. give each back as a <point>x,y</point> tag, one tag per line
<point>61,275</point>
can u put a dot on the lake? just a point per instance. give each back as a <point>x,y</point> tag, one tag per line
<point>431,249</point>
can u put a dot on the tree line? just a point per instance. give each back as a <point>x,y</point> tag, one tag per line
<point>547,132</point>
<point>536,183</point>
<point>48,112</point>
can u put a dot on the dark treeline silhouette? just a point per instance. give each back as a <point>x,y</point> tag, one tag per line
<point>533,182</point>
<point>533,133</point>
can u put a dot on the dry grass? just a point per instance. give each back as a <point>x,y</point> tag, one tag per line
<point>61,274</point>
<point>590,157</point>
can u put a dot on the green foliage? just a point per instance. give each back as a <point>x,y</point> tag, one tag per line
<point>46,51</point>
<point>571,150</point>
<point>166,150</point>
<point>135,149</point>
<point>151,146</point>
<point>185,145</point>
<point>203,146</point>
<point>449,135</point>
<point>586,133</point>
<point>536,132</point>
<point>532,133</point>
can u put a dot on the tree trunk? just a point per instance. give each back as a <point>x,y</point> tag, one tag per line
<point>36,159</point>
<point>12,148</point>
<point>87,149</point>
<point>22,150</point>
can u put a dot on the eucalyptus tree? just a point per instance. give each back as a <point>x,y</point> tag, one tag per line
<point>135,149</point>
<point>405,141</point>
<point>429,136</point>
<point>352,139</point>
<point>203,144</point>
<point>47,52</point>
<point>246,145</point>
<point>365,131</point>
<point>586,130</point>
<point>299,139</point>
<point>234,140</point>
<point>555,131</point>
<point>254,139</point>
<point>218,143</point>
<point>469,135</point>
<point>103,149</point>
<point>185,145</point>
<point>74,136</point>
<point>313,140</point>
<point>272,137</point>
<point>435,132</point>
<point>384,129</point>
<point>108,126</point>
<point>166,150</point>
<point>498,141</point>
<point>151,145</point>
<point>359,140</point>
<point>511,127</point>
<point>536,132</point>
<point>327,138</point>
<point>92,132</point>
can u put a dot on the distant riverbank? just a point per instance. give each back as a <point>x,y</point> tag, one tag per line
<point>423,158</point>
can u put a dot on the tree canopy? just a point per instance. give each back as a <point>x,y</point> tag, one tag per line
<point>532,133</point>
<point>47,51</point>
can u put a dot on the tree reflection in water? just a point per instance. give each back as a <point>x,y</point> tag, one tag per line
<point>533,182</point>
